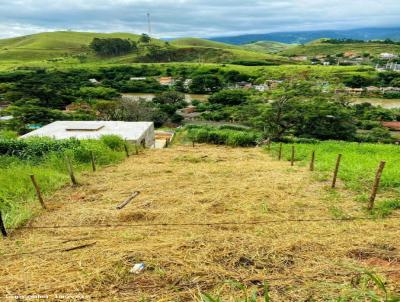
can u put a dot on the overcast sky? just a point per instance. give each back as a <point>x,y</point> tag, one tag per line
<point>201,18</point>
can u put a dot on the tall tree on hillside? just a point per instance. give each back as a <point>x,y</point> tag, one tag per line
<point>144,38</point>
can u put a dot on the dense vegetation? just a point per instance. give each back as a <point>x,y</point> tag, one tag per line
<point>223,135</point>
<point>45,158</point>
<point>112,46</point>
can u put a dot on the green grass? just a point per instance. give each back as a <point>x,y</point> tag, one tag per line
<point>319,48</point>
<point>18,202</point>
<point>184,42</point>
<point>268,46</point>
<point>359,162</point>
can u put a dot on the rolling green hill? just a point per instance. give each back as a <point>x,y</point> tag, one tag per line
<point>268,46</point>
<point>196,42</point>
<point>50,45</point>
<point>68,46</point>
<point>319,47</point>
<point>233,52</point>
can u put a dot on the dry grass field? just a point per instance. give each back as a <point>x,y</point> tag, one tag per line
<point>205,215</point>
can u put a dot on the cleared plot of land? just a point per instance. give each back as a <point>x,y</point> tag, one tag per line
<point>191,201</point>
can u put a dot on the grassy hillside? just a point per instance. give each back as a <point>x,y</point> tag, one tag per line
<point>231,52</point>
<point>268,46</point>
<point>51,45</point>
<point>320,48</point>
<point>196,42</point>
<point>67,46</point>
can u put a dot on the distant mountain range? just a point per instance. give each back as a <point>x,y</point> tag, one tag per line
<point>308,36</point>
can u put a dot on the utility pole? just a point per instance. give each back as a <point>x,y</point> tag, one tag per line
<point>149,23</point>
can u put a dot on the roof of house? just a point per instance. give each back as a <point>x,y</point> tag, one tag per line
<point>392,125</point>
<point>131,131</point>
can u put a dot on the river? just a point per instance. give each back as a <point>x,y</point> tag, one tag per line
<point>385,103</point>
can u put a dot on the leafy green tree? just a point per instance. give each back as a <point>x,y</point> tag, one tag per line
<point>112,46</point>
<point>144,38</point>
<point>205,83</point>
<point>170,101</point>
<point>97,93</point>
<point>229,97</point>
<point>325,119</point>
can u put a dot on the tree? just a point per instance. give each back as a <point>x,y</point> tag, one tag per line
<point>144,38</point>
<point>97,92</point>
<point>229,97</point>
<point>205,83</point>
<point>326,119</point>
<point>112,46</point>
<point>170,101</point>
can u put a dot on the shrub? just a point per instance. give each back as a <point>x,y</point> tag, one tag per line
<point>221,136</point>
<point>114,142</point>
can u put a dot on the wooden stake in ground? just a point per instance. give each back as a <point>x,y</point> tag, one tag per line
<point>269,145</point>
<point>38,192</point>
<point>335,173</point>
<point>312,163</point>
<point>93,161</point>
<point>71,171</point>
<point>166,142</point>
<point>2,227</point>
<point>375,188</point>
<point>193,143</point>
<point>280,152</point>
<point>127,201</point>
<point>126,150</point>
<point>292,158</point>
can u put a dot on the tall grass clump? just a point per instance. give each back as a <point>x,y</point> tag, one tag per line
<point>223,136</point>
<point>359,162</point>
<point>45,158</point>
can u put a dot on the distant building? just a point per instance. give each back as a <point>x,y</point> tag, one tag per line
<point>187,83</point>
<point>388,67</point>
<point>300,58</point>
<point>138,78</point>
<point>261,88</point>
<point>94,81</point>
<point>6,118</point>
<point>392,126</point>
<point>388,56</point>
<point>135,132</point>
<point>166,81</point>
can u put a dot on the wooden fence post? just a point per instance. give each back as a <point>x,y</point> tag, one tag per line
<point>2,227</point>
<point>269,145</point>
<point>126,150</point>
<point>335,173</point>
<point>312,163</point>
<point>71,171</point>
<point>292,158</point>
<point>38,192</point>
<point>166,142</point>
<point>280,152</point>
<point>93,161</point>
<point>375,187</point>
<point>193,144</point>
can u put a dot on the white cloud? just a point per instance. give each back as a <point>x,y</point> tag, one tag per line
<point>194,17</point>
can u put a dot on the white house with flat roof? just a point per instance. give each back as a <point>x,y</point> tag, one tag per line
<point>135,132</point>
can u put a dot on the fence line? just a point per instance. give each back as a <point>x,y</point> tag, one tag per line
<point>109,225</point>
